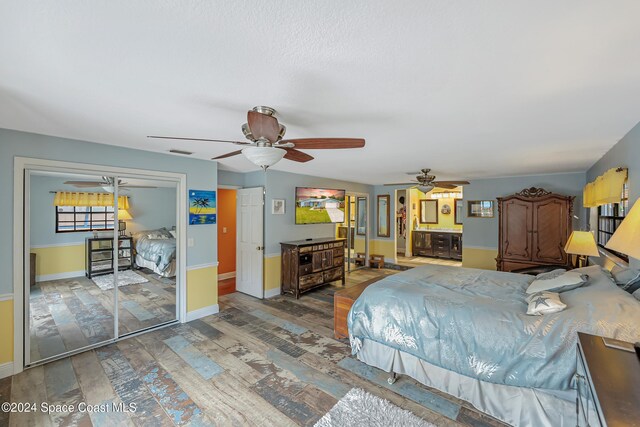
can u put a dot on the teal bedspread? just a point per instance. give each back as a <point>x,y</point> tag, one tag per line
<point>474,322</point>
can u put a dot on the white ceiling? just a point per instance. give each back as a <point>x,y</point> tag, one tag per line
<point>468,88</point>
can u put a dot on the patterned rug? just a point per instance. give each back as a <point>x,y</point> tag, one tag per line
<point>126,277</point>
<point>359,408</point>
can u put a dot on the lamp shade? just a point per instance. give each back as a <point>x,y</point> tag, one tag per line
<point>264,156</point>
<point>124,214</point>
<point>582,243</point>
<point>626,239</point>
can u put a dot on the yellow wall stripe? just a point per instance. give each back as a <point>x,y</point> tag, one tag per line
<point>6,331</point>
<point>202,288</point>
<point>59,259</point>
<point>479,258</point>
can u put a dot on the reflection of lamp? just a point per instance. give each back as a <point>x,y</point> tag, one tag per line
<point>123,215</point>
<point>582,244</point>
<point>264,156</point>
<point>626,239</point>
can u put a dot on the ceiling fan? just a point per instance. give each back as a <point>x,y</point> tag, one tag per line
<point>425,182</point>
<point>267,146</point>
<point>107,184</point>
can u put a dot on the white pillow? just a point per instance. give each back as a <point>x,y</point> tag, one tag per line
<point>174,233</point>
<point>557,283</point>
<point>544,303</point>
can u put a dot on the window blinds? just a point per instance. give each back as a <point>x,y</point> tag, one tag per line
<point>69,198</point>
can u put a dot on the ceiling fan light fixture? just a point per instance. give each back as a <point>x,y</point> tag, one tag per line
<point>425,188</point>
<point>264,156</point>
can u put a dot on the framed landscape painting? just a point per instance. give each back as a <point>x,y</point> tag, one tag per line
<point>202,207</point>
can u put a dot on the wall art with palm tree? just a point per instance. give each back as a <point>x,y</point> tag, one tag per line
<point>202,207</point>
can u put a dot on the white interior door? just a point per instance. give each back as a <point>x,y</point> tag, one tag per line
<point>250,241</point>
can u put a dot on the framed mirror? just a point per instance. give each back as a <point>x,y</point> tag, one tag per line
<point>383,216</point>
<point>428,211</point>
<point>458,210</point>
<point>361,214</point>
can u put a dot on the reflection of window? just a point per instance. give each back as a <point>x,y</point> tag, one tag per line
<point>610,216</point>
<point>84,218</point>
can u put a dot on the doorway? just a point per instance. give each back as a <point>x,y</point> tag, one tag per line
<point>102,258</point>
<point>355,230</point>
<point>226,241</point>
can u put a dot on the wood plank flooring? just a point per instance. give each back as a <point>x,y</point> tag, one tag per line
<point>69,314</point>
<point>258,362</point>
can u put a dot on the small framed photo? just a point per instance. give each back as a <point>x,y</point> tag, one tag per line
<point>277,207</point>
<point>480,209</point>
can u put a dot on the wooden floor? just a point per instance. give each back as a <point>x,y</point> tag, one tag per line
<point>258,362</point>
<point>416,261</point>
<point>69,314</point>
<point>226,286</point>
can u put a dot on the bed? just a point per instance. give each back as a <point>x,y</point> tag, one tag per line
<point>156,250</point>
<point>466,332</point>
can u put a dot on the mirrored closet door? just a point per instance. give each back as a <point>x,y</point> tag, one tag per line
<point>69,295</point>
<point>147,250</point>
<point>354,230</point>
<point>83,235</point>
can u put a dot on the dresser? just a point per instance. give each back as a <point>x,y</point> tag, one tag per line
<point>437,244</point>
<point>308,264</point>
<point>99,255</point>
<point>608,383</point>
<point>534,226</point>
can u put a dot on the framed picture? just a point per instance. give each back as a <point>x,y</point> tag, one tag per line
<point>458,209</point>
<point>361,215</point>
<point>202,207</point>
<point>480,209</point>
<point>277,206</point>
<point>383,216</point>
<point>428,211</point>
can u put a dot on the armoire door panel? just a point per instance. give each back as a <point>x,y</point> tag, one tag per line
<point>517,230</point>
<point>550,234</point>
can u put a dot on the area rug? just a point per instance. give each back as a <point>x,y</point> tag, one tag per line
<point>360,408</point>
<point>126,277</point>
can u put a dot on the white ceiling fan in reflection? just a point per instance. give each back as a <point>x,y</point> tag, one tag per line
<point>107,184</point>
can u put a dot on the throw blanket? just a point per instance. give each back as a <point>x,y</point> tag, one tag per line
<point>473,322</point>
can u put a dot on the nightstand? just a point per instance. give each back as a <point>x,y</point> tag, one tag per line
<point>608,382</point>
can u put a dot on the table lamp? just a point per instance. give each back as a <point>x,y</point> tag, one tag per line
<point>583,245</point>
<point>123,215</point>
<point>626,239</point>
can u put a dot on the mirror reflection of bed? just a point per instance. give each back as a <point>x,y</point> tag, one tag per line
<point>71,298</point>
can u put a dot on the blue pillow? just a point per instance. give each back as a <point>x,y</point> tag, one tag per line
<point>627,278</point>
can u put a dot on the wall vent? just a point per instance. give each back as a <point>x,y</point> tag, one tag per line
<point>186,153</point>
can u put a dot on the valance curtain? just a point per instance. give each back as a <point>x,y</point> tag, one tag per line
<point>69,198</point>
<point>606,188</point>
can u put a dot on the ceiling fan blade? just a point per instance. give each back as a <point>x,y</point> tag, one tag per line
<point>233,153</point>
<point>135,186</point>
<point>443,185</point>
<point>297,156</point>
<point>263,126</point>
<point>403,183</point>
<point>452,182</point>
<point>85,183</point>
<point>327,143</point>
<point>198,139</point>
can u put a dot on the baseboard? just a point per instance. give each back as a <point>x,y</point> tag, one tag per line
<point>6,369</point>
<point>58,276</point>
<point>270,293</point>
<point>203,312</point>
<point>229,275</point>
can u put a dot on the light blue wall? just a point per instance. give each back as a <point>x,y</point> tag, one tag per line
<point>626,153</point>
<point>230,178</point>
<point>483,232</point>
<point>282,228</point>
<point>201,175</point>
<point>150,208</point>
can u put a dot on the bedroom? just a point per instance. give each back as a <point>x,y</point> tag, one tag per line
<point>506,97</point>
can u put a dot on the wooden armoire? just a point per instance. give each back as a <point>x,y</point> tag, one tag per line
<point>535,225</point>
